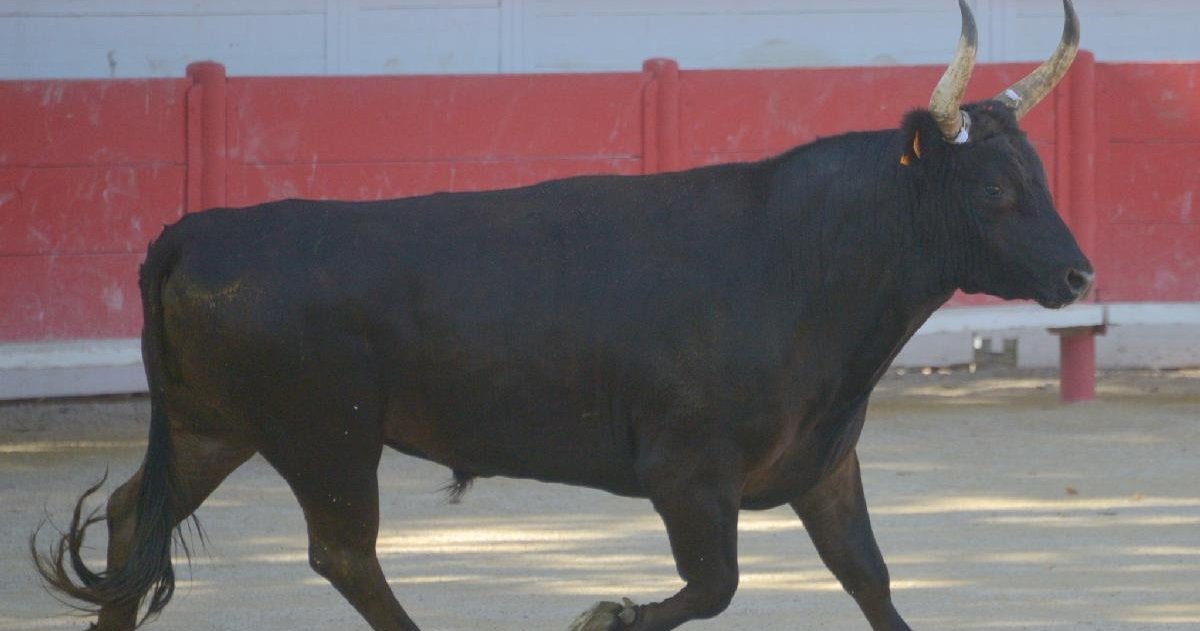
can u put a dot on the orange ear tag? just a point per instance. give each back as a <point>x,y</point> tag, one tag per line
<point>916,147</point>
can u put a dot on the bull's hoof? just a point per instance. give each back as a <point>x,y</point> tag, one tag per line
<point>606,616</point>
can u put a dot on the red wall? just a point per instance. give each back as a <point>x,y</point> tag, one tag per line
<point>91,170</point>
<point>1148,176</point>
<point>378,137</point>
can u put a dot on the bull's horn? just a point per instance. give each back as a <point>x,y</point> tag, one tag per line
<point>1026,93</point>
<point>947,96</point>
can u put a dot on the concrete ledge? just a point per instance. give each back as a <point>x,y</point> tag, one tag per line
<point>37,383</point>
<point>1152,313</point>
<point>71,369</point>
<point>114,366</point>
<point>72,354</point>
<point>969,319</point>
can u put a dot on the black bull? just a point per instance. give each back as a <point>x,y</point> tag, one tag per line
<point>706,339</point>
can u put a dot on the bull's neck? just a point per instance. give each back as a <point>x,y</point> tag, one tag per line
<point>864,233</point>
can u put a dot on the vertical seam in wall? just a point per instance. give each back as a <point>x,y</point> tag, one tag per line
<point>509,58</point>
<point>996,31</point>
<point>987,10</point>
<point>333,36</point>
<point>502,30</point>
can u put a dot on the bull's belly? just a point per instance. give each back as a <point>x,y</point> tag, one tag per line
<point>808,448</point>
<point>781,485</point>
<point>495,442</point>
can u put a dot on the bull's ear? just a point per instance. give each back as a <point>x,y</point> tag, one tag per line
<point>921,138</point>
<point>912,149</point>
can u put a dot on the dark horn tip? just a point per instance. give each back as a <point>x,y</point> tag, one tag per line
<point>969,31</point>
<point>1070,24</point>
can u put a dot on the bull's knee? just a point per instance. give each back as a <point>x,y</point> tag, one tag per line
<point>330,563</point>
<point>339,564</point>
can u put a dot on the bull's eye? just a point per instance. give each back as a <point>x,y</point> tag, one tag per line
<point>992,190</point>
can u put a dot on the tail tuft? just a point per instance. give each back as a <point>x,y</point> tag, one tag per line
<point>458,487</point>
<point>52,566</point>
<point>148,577</point>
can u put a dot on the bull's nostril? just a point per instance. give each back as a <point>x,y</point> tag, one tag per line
<point>1079,281</point>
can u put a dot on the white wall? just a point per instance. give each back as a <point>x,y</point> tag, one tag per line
<point>157,38</point>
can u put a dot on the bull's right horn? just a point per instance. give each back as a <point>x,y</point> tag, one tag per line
<point>1026,93</point>
<point>947,96</point>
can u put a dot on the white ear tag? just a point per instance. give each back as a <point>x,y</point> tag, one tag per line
<point>964,134</point>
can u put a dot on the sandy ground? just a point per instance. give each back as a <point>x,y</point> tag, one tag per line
<point>996,508</point>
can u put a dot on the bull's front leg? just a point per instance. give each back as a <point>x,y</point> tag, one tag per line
<point>835,515</point>
<point>696,491</point>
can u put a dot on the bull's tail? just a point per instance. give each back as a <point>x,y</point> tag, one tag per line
<point>145,577</point>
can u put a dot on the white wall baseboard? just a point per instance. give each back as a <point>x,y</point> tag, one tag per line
<point>971,319</point>
<point>71,369</point>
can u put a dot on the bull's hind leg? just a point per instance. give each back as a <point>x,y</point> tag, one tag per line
<point>335,480</point>
<point>200,464</point>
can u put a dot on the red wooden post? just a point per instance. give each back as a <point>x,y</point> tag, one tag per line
<point>1064,148</point>
<point>1077,363</point>
<point>650,126</point>
<point>1083,151</point>
<point>1076,150</point>
<point>206,142</point>
<point>660,117</point>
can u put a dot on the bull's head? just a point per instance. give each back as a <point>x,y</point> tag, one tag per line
<point>987,176</point>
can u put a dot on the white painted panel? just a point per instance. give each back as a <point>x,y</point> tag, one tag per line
<point>73,38</point>
<point>158,46</point>
<point>1116,30</point>
<point>423,40</point>
<point>369,5</point>
<point>135,8</point>
<point>684,7</point>
<point>603,35</point>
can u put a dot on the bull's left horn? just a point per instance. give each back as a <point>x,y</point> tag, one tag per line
<point>1026,93</point>
<point>947,96</point>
